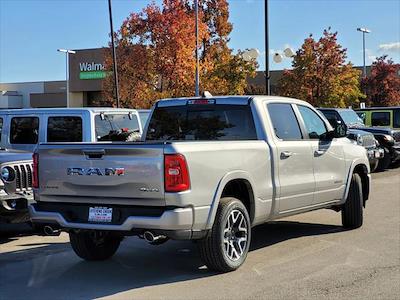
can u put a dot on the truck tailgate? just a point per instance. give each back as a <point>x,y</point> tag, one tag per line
<point>123,173</point>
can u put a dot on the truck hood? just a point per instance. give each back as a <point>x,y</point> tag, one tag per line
<point>14,155</point>
<point>382,130</point>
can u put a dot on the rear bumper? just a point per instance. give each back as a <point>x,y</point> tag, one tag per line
<point>176,223</point>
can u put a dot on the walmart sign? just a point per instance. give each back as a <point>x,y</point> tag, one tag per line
<point>92,71</point>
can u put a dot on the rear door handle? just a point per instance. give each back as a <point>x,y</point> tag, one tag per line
<point>286,154</point>
<point>319,152</point>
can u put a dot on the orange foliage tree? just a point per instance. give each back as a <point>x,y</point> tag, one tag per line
<point>156,54</point>
<point>320,75</point>
<point>383,84</point>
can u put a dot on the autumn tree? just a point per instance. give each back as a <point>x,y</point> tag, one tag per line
<point>156,54</point>
<point>383,85</point>
<point>320,75</point>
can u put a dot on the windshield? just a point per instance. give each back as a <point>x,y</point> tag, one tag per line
<point>115,127</point>
<point>350,117</point>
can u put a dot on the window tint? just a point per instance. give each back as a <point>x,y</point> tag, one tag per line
<point>396,118</point>
<point>331,116</point>
<point>380,118</point>
<point>314,125</point>
<point>24,130</point>
<point>115,127</point>
<point>1,127</point>
<point>64,129</point>
<point>284,121</point>
<point>202,122</point>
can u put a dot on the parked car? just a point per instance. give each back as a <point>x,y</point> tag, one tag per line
<point>23,129</point>
<point>207,169</point>
<point>363,138</point>
<point>388,138</point>
<point>15,186</point>
<point>380,116</point>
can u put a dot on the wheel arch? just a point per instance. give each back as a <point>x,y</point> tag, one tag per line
<point>362,169</point>
<point>237,184</point>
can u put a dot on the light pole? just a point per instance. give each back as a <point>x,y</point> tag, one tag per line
<point>196,12</point>
<point>267,82</point>
<point>67,53</point>
<point>115,71</point>
<point>364,31</point>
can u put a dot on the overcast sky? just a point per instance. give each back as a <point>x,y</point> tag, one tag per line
<point>32,30</point>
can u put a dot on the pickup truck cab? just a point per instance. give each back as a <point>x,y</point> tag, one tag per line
<point>207,169</point>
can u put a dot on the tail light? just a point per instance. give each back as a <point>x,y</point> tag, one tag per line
<point>176,174</point>
<point>35,171</point>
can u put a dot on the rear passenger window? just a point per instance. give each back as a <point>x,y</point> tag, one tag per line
<point>380,118</point>
<point>24,130</point>
<point>64,129</point>
<point>396,118</point>
<point>284,121</point>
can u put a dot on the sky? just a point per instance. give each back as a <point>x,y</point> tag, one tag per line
<point>31,31</point>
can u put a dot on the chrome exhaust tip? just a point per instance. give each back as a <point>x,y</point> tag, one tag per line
<point>153,239</point>
<point>50,231</point>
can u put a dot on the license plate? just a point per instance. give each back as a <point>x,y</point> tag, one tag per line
<point>100,214</point>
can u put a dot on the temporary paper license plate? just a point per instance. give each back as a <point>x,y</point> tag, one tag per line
<point>100,214</point>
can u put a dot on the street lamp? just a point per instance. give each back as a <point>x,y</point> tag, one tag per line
<point>67,52</point>
<point>364,31</point>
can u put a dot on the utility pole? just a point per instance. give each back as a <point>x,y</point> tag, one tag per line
<point>267,81</point>
<point>196,9</point>
<point>115,71</point>
<point>67,53</point>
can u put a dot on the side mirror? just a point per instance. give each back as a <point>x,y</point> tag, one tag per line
<point>339,131</point>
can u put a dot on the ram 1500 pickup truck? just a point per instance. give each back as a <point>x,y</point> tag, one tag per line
<point>208,169</point>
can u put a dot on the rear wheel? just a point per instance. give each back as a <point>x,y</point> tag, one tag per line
<point>94,245</point>
<point>352,210</point>
<point>226,247</point>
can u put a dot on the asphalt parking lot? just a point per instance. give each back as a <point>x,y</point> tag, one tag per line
<point>303,257</point>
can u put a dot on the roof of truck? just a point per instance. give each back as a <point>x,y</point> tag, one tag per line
<point>63,109</point>
<point>238,99</point>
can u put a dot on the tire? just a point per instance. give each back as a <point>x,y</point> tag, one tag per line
<point>374,165</point>
<point>352,210</point>
<point>93,246</point>
<point>226,246</point>
<point>385,161</point>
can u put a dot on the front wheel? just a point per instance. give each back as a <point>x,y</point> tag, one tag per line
<point>94,245</point>
<point>226,246</point>
<point>352,210</point>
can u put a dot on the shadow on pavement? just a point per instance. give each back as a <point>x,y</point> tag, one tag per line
<point>54,271</point>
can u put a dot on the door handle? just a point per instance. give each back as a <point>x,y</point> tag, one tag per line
<point>94,153</point>
<point>286,154</point>
<point>319,152</point>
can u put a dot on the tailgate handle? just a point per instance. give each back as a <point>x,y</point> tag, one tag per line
<point>94,154</point>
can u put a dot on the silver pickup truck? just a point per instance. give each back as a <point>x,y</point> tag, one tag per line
<point>207,169</point>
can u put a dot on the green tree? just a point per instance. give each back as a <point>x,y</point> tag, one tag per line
<point>320,75</point>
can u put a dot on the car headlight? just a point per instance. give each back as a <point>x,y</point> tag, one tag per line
<point>7,174</point>
<point>388,138</point>
<point>359,140</point>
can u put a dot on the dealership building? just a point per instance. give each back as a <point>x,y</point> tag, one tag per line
<point>86,74</point>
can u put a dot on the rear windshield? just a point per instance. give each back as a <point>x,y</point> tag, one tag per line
<point>202,122</point>
<point>64,129</point>
<point>115,127</point>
